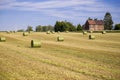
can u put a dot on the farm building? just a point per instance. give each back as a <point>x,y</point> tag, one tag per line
<point>94,25</point>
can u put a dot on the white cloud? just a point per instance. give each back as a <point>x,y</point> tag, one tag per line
<point>70,9</point>
<point>5,1</point>
<point>50,4</point>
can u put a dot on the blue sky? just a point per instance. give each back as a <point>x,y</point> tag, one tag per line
<point>18,14</point>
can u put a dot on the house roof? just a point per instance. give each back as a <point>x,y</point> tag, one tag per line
<point>99,22</point>
<point>95,22</point>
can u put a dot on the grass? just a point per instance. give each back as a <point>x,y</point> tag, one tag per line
<point>77,58</point>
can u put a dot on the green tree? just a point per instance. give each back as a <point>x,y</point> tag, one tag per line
<point>79,28</point>
<point>38,28</point>
<point>117,27</point>
<point>89,18</point>
<point>59,26</point>
<point>70,26</point>
<point>108,22</point>
<point>29,28</point>
<point>20,30</point>
<point>50,28</point>
<point>64,26</point>
<point>44,28</point>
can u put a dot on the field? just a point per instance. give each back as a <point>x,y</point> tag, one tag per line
<point>76,58</point>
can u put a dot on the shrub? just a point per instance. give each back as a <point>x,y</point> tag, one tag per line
<point>117,27</point>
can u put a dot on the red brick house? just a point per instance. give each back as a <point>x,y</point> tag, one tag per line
<point>94,25</point>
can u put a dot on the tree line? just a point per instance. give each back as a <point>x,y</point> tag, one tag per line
<point>59,26</point>
<point>68,26</point>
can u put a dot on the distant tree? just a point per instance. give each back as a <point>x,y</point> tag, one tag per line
<point>117,27</point>
<point>89,18</point>
<point>108,22</point>
<point>96,19</point>
<point>58,26</point>
<point>70,27</point>
<point>21,30</point>
<point>79,28</point>
<point>44,28</point>
<point>50,28</point>
<point>29,28</point>
<point>64,26</point>
<point>38,28</point>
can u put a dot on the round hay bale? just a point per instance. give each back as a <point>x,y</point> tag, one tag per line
<point>91,31</point>
<point>25,34</point>
<point>58,32</point>
<point>84,33</point>
<point>30,32</point>
<point>2,39</point>
<point>103,32</point>
<point>8,32</point>
<point>66,31</point>
<point>35,43</point>
<point>91,37</point>
<point>53,32</point>
<point>59,38</point>
<point>48,32</point>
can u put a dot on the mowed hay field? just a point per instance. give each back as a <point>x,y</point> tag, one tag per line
<point>76,58</point>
